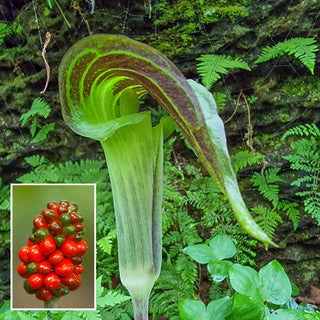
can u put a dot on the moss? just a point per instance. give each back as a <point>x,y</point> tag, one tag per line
<point>267,141</point>
<point>180,24</point>
<point>303,87</point>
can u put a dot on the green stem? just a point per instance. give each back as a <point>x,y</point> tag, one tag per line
<point>140,309</point>
<point>52,303</point>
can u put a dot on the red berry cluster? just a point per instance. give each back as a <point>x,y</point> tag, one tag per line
<point>51,261</point>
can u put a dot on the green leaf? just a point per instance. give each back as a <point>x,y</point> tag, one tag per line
<point>222,247</point>
<point>219,270</point>
<point>282,314</point>
<point>219,309</point>
<point>245,280</point>
<point>276,286</point>
<point>216,310</point>
<point>247,308</point>
<point>201,253</point>
<point>192,309</point>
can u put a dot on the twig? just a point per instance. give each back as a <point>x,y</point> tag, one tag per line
<point>43,54</point>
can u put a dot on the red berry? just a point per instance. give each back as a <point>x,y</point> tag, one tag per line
<point>53,206</point>
<point>49,215</point>
<point>82,248</point>
<point>73,281</point>
<point>69,248</point>
<point>56,257</point>
<point>35,253</point>
<point>30,243</point>
<point>52,281</point>
<point>24,254</point>
<point>48,245</point>
<point>79,269</point>
<point>62,209</point>
<point>40,222</point>
<point>74,217</point>
<point>44,294</point>
<point>44,267</point>
<point>76,260</point>
<point>64,203</point>
<point>36,281</point>
<point>55,227</point>
<point>22,270</point>
<point>64,268</point>
<point>73,207</point>
<point>77,236</point>
<point>78,226</point>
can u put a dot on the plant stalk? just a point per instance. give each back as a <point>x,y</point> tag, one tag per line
<point>52,303</point>
<point>140,309</point>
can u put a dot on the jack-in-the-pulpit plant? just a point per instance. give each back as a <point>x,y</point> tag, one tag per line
<point>101,79</point>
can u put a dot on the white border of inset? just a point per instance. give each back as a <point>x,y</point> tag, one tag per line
<point>94,246</point>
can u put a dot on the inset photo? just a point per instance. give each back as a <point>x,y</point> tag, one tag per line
<point>53,246</point>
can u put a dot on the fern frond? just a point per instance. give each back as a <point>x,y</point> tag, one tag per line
<point>308,129</point>
<point>111,298</point>
<point>33,127</point>
<point>105,243</point>
<point>312,206</point>
<point>290,209</point>
<point>43,132</point>
<point>245,158</point>
<point>211,67</point>
<point>220,99</point>
<point>188,270</point>
<point>36,160</point>
<point>39,107</point>
<point>302,49</point>
<point>267,219</point>
<point>265,184</point>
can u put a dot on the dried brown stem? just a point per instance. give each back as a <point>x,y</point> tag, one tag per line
<point>43,54</point>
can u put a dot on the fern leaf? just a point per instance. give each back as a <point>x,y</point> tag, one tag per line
<point>245,158</point>
<point>212,66</point>
<point>33,127</point>
<point>265,184</point>
<point>43,132</point>
<point>291,210</point>
<point>220,99</point>
<point>112,298</point>
<point>105,243</point>
<point>312,206</point>
<point>267,219</point>
<point>39,107</point>
<point>302,49</point>
<point>89,314</point>
<point>308,129</point>
<point>36,160</point>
